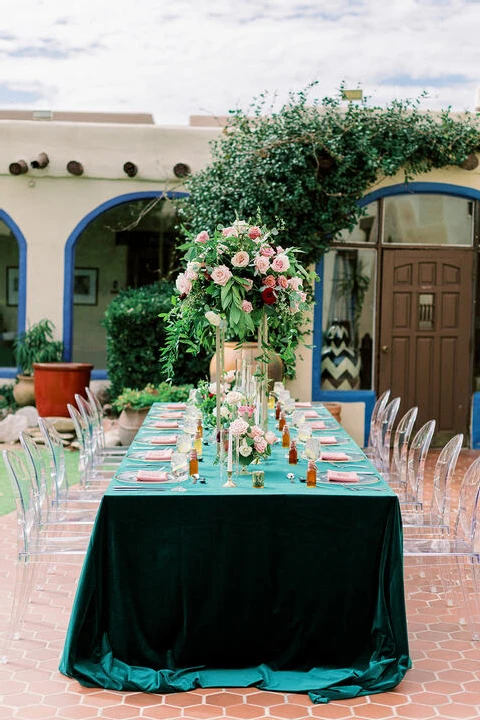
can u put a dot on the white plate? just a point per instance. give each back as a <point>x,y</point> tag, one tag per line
<point>363,480</point>
<point>130,476</point>
<point>352,458</point>
<point>139,456</point>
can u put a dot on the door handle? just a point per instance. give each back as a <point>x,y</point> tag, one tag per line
<point>385,348</point>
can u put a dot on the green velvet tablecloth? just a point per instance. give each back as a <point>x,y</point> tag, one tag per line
<point>284,588</point>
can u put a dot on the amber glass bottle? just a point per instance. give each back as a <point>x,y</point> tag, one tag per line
<point>293,453</point>
<point>282,421</point>
<point>285,436</point>
<point>197,444</point>
<point>311,474</point>
<point>193,463</point>
<point>200,427</point>
<point>278,410</point>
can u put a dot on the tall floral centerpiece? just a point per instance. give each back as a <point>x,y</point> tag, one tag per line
<point>234,283</point>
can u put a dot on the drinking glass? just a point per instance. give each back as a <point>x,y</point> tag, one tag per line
<point>278,387</point>
<point>289,405</point>
<point>312,448</point>
<point>190,426</point>
<point>304,432</point>
<point>298,418</point>
<point>184,443</point>
<point>179,465</point>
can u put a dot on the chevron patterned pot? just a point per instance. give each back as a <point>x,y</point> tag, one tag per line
<point>340,365</point>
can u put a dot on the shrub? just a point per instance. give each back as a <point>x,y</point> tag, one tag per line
<point>138,399</point>
<point>135,336</point>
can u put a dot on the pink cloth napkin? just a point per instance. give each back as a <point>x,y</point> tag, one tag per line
<point>336,476</point>
<point>334,456</point>
<point>303,404</point>
<point>328,440</point>
<point>166,424</point>
<point>177,406</point>
<point>172,415</point>
<point>311,414</point>
<point>164,440</point>
<point>152,476</point>
<point>318,425</point>
<point>159,454</point>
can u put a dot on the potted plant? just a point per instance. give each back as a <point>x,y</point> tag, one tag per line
<point>133,405</point>
<point>35,345</point>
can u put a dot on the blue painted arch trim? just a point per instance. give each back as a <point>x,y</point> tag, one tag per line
<point>70,253</point>
<point>22,281</point>
<point>421,188</point>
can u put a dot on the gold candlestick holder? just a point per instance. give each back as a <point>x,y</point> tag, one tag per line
<point>229,482</point>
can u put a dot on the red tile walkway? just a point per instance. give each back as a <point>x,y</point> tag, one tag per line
<point>443,683</point>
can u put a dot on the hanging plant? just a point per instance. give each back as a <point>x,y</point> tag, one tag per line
<point>311,161</point>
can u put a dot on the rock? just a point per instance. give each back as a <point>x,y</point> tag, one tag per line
<point>31,415</point>
<point>11,426</point>
<point>62,424</point>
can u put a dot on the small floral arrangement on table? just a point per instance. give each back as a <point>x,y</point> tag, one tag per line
<point>205,397</point>
<point>235,277</point>
<point>254,444</point>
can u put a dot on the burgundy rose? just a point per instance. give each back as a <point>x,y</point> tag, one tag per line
<point>269,296</point>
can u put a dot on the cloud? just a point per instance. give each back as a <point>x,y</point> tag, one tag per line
<point>195,56</point>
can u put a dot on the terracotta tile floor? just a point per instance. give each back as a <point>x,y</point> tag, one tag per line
<point>443,683</point>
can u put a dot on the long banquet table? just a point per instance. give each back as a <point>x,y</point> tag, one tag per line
<point>284,588</point>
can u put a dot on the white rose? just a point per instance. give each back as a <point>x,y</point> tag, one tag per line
<point>213,318</point>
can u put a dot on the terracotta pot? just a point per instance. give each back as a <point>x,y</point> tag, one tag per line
<point>234,353</point>
<point>129,423</point>
<point>57,383</point>
<point>24,390</point>
<point>334,409</point>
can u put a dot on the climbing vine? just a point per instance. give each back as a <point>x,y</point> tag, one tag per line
<point>309,162</point>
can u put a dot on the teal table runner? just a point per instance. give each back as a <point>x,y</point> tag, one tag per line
<point>284,588</point>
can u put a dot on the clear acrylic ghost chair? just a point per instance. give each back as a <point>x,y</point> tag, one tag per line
<point>385,421</point>
<point>101,450</point>
<point>90,421</point>
<point>411,494</point>
<point>457,557</point>
<point>92,477</point>
<point>378,409</point>
<point>35,545</point>
<point>50,510</point>
<point>64,492</point>
<point>435,520</point>
<point>398,466</point>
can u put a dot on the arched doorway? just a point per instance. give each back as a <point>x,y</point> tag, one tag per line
<point>417,249</point>
<point>13,279</point>
<point>125,242</point>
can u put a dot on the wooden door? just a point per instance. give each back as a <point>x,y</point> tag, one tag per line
<point>425,333</point>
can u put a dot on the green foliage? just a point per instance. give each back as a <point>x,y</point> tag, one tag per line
<point>7,401</point>
<point>134,335</point>
<point>310,162</point>
<point>139,399</point>
<point>37,345</point>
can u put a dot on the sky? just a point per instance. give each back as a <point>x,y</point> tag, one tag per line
<point>198,57</point>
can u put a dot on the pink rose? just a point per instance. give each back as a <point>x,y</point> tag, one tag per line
<point>295,283</point>
<point>183,284</point>
<point>280,263</point>
<point>240,259</point>
<point>269,281</point>
<point>256,431</point>
<point>191,274</point>
<point>280,250</point>
<point>270,437</point>
<point>221,275</point>
<point>260,444</point>
<point>229,231</point>
<point>202,237</point>
<point>246,410</point>
<point>262,264</point>
<point>267,251</point>
<point>282,281</point>
<point>239,427</point>
<point>254,232</point>
<point>303,296</point>
<point>247,306</point>
<point>247,284</point>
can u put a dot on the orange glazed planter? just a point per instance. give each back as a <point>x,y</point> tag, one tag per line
<point>57,383</point>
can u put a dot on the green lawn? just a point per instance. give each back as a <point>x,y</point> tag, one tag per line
<point>7,503</point>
